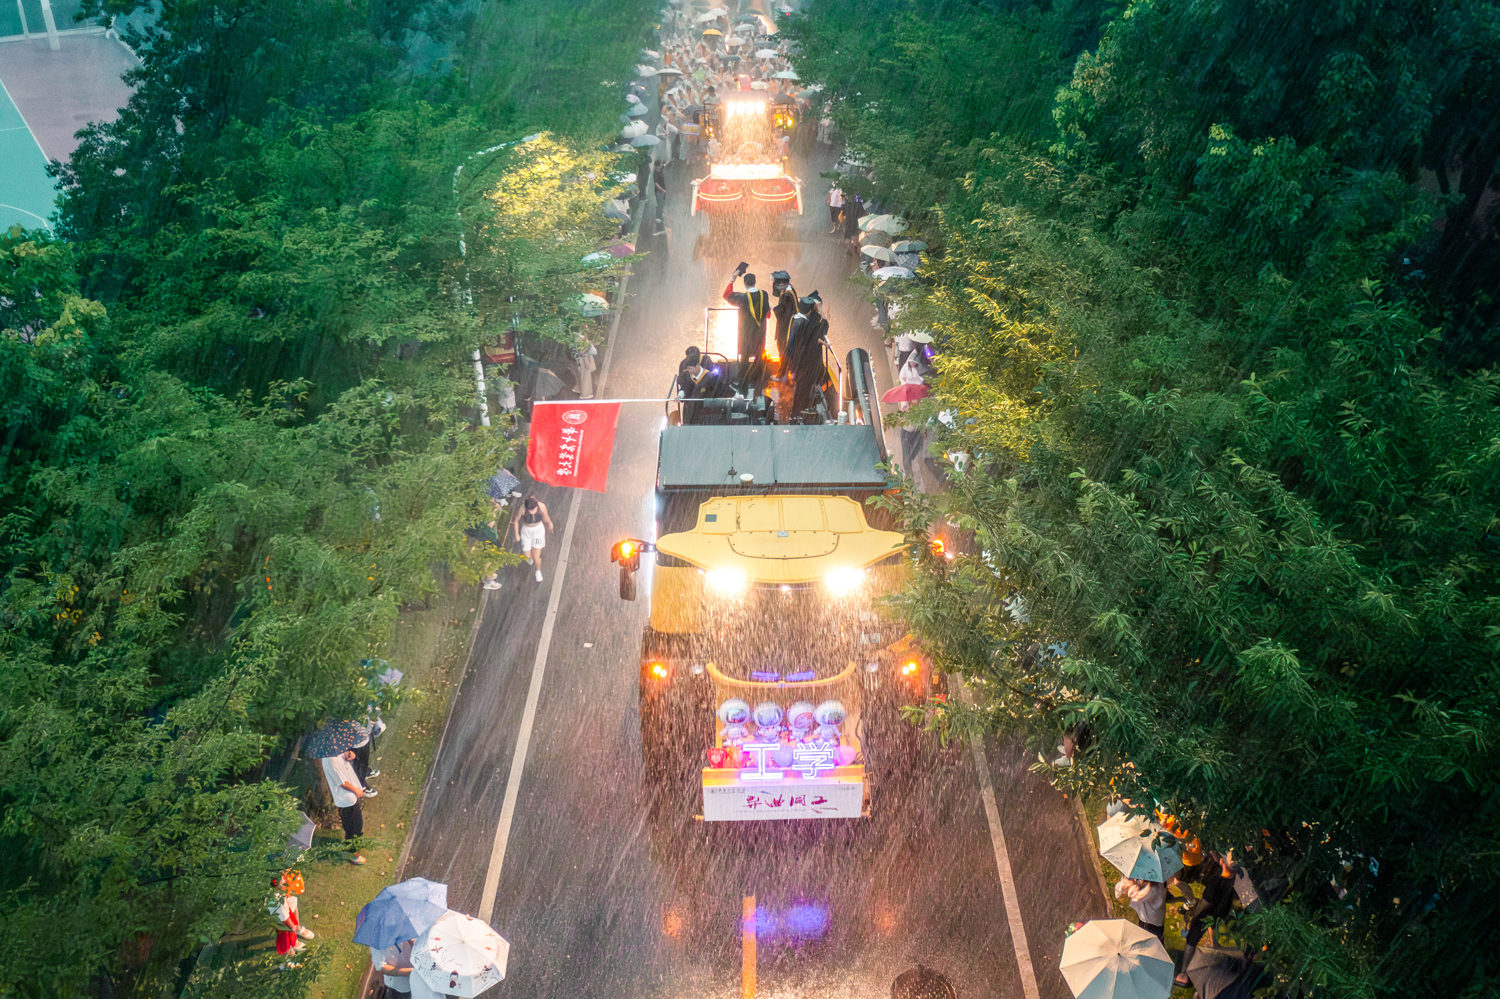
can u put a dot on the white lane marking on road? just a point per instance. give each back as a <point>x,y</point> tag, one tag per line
<point>528,717</point>
<point>539,667</point>
<point>1007,879</point>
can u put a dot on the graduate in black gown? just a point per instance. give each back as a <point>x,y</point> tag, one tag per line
<point>805,341</point>
<point>785,308</point>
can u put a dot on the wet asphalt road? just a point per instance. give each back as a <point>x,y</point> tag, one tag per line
<point>609,887</point>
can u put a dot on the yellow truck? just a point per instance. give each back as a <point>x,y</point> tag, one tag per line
<point>768,673</point>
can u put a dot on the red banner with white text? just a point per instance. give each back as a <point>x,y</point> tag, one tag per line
<point>571,443</point>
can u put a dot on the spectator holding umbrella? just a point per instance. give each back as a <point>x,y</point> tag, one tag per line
<point>1149,900</point>
<point>390,924</point>
<point>334,745</point>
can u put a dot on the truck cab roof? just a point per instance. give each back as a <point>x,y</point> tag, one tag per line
<point>780,458</point>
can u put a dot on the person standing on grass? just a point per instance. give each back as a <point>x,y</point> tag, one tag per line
<point>394,963</point>
<point>1149,900</point>
<point>347,791</point>
<point>361,761</point>
<point>282,906</point>
<point>531,530</point>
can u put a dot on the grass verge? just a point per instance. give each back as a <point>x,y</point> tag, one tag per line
<point>430,647</point>
<point>1119,908</point>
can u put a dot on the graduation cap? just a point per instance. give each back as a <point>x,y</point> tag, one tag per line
<point>780,276</point>
<point>808,301</point>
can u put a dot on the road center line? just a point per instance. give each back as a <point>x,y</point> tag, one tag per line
<point>1007,879</point>
<point>539,665</point>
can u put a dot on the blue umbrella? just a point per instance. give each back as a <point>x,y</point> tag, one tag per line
<point>334,739</point>
<point>400,912</point>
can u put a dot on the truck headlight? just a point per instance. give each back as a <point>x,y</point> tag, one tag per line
<point>725,582</point>
<point>842,582</point>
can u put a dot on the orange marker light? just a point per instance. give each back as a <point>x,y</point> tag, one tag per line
<point>626,548</point>
<point>910,667</point>
<point>937,546</point>
<point>659,670</point>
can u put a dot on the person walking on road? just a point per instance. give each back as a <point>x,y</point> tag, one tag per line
<point>659,181</point>
<point>347,791</point>
<point>835,206</point>
<point>531,531</point>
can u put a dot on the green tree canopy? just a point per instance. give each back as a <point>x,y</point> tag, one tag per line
<point>1235,474</point>
<point>238,436</point>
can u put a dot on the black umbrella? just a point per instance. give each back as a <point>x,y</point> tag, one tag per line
<point>1214,969</point>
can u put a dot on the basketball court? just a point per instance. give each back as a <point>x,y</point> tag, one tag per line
<point>57,75</point>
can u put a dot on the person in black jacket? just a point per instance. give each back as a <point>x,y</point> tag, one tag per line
<point>1217,901</point>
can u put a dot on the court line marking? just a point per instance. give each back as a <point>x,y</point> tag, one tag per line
<point>6,90</point>
<point>1007,878</point>
<point>539,664</point>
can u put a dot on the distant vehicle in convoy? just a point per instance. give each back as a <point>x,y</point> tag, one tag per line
<point>767,666</point>
<point>748,176</point>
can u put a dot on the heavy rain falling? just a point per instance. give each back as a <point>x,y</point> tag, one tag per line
<point>798,499</point>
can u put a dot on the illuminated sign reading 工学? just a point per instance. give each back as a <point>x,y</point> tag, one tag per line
<point>808,758</point>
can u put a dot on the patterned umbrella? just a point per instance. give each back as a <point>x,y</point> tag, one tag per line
<point>1139,847</point>
<point>502,484</point>
<point>460,956</point>
<point>334,739</point>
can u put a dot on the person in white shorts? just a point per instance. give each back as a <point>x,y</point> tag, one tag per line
<point>531,529</point>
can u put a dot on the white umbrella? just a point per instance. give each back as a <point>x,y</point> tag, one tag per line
<point>888,223</point>
<point>744,27</point>
<point>909,246</point>
<point>633,129</point>
<point>590,305</point>
<point>1139,847</point>
<point>869,220</point>
<point>459,955</point>
<point>766,53</point>
<point>632,98</point>
<point>712,15</point>
<point>717,11</point>
<point>732,42</point>
<point>1116,959</point>
<point>669,71</point>
<point>644,70</point>
<point>890,272</point>
<point>644,140</point>
<point>785,74</point>
<point>636,110</point>
<point>878,253</point>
